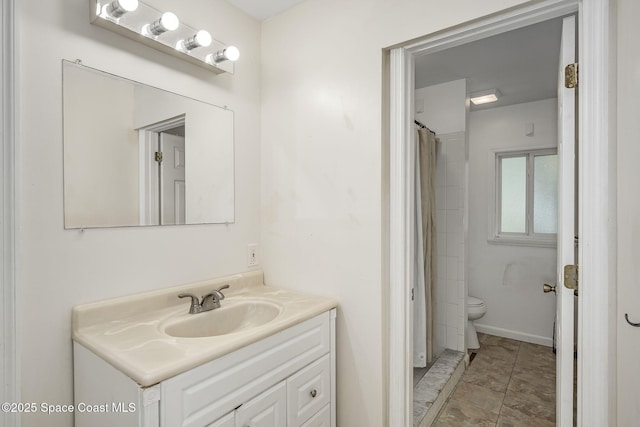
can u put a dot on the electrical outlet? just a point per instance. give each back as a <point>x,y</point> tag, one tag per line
<point>252,255</point>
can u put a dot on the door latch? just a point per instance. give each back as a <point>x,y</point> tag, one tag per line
<point>571,277</point>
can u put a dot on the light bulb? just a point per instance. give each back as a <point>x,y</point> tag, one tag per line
<point>201,38</point>
<point>117,8</point>
<point>168,22</point>
<point>230,53</point>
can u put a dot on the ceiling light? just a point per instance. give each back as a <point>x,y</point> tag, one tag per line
<point>201,39</point>
<point>168,22</point>
<point>485,96</point>
<point>230,53</point>
<point>117,8</point>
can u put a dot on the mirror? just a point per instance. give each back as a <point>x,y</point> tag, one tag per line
<point>137,155</point>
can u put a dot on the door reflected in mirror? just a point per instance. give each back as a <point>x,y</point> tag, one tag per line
<point>136,155</point>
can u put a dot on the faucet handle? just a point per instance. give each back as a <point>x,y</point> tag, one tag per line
<point>219,291</point>
<point>195,303</point>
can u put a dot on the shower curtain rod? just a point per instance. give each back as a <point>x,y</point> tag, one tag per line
<point>423,126</point>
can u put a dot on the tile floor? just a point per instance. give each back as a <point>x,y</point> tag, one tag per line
<point>509,383</point>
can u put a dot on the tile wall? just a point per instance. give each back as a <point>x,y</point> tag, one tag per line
<point>450,283</point>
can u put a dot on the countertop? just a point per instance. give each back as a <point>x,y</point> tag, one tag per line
<point>127,331</point>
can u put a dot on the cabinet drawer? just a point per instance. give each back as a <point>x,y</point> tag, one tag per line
<point>196,397</point>
<point>308,391</point>
<point>321,419</point>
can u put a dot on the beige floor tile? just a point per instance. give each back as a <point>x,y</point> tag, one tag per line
<point>532,355</point>
<point>531,405</point>
<point>513,418</point>
<point>495,352</point>
<point>490,373</point>
<point>525,379</point>
<point>512,380</point>
<point>506,343</point>
<point>481,397</point>
<point>458,413</point>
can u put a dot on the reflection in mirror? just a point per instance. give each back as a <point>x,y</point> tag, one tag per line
<point>138,155</point>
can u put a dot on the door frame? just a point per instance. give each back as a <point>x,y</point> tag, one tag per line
<point>148,179</point>
<point>595,361</point>
<point>9,353</point>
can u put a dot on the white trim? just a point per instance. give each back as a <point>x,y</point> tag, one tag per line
<point>9,376</point>
<point>400,378</point>
<point>593,347</point>
<point>514,335</point>
<point>594,363</point>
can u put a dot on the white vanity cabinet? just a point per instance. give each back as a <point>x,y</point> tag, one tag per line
<point>286,379</point>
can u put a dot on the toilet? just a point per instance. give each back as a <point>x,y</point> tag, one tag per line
<point>475,310</point>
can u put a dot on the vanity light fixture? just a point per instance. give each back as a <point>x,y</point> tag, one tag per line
<point>167,22</point>
<point>201,39</point>
<point>165,32</point>
<point>230,53</point>
<point>117,8</point>
<point>485,96</point>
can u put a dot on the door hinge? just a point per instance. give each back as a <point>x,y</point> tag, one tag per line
<point>412,294</point>
<point>158,156</point>
<point>571,277</point>
<point>571,76</point>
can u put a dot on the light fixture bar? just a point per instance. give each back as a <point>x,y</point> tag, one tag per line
<point>162,31</point>
<point>485,96</point>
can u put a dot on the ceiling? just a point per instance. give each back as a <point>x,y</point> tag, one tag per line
<point>264,9</point>
<point>522,64</point>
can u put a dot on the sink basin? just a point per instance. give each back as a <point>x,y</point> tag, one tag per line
<point>235,317</point>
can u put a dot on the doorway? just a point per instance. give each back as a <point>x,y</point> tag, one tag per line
<point>163,172</point>
<point>496,204</point>
<point>593,21</point>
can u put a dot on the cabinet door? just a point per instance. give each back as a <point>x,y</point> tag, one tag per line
<point>308,391</point>
<point>266,410</point>
<point>228,420</point>
<point>321,419</point>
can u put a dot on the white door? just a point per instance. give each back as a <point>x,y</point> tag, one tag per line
<point>228,420</point>
<point>566,228</point>
<point>266,410</point>
<point>172,179</point>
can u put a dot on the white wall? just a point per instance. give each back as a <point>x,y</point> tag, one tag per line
<point>323,212</point>
<point>628,217</point>
<point>58,269</point>
<point>443,107</point>
<point>509,278</point>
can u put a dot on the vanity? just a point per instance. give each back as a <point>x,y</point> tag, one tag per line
<point>265,357</point>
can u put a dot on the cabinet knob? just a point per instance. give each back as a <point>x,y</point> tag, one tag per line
<point>313,393</point>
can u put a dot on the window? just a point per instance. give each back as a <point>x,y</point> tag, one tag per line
<point>526,197</point>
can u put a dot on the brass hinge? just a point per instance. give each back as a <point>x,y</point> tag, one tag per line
<point>158,156</point>
<point>571,76</point>
<point>571,277</point>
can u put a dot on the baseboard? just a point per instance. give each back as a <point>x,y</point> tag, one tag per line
<point>514,335</point>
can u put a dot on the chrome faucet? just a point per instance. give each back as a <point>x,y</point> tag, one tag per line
<point>209,302</point>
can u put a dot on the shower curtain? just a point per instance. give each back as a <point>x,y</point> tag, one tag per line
<point>425,249</point>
